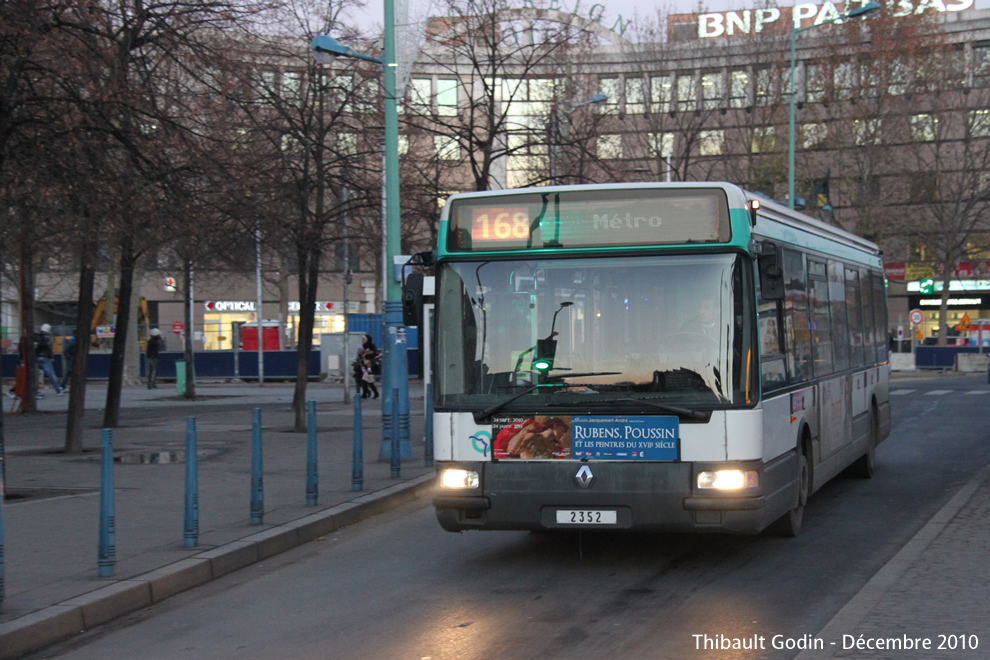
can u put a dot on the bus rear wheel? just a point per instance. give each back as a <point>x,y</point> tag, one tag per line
<point>789,524</point>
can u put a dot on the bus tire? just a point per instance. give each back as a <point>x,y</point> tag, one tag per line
<point>866,465</point>
<point>789,524</point>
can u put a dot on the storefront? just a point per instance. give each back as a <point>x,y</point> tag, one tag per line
<point>969,300</point>
<point>223,318</point>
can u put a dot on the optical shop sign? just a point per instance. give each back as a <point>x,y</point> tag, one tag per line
<point>748,22</point>
<point>625,438</point>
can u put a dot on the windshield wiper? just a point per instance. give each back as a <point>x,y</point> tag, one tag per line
<point>666,407</point>
<point>580,374</point>
<point>481,415</point>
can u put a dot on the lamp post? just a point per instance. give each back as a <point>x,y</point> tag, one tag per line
<point>395,369</point>
<point>558,134</point>
<point>864,10</point>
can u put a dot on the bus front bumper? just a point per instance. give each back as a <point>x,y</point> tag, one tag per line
<point>517,495</point>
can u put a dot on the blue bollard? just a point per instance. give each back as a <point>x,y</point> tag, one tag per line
<point>395,446</point>
<point>428,428</point>
<point>312,478</point>
<point>257,487</point>
<point>108,541</point>
<point>357,467</point>
<point>190,534</point>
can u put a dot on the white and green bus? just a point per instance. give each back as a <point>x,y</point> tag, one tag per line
<point>671,357</point>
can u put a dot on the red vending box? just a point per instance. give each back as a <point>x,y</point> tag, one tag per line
<point>249,336</point>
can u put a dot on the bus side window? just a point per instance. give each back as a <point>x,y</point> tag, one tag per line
<point>797,326</point>
<point>773,363</point>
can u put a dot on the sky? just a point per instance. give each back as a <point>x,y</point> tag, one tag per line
<point>371,16</point>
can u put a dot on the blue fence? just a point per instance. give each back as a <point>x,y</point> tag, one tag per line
<point>940,357</point>
<point>220,364</point>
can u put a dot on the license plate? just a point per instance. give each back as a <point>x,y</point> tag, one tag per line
<point>586,517</point>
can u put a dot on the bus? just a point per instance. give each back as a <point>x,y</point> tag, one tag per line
<point>677,357</point>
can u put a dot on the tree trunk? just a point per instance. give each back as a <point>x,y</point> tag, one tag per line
<point>309,273</point>
<point>284,343</point>
<point>132,354</point>
<point>77,380</point>
<point>111,415</point>
<point>28,358</point>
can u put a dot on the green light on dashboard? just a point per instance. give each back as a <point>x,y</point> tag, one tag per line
<point>542,364</point>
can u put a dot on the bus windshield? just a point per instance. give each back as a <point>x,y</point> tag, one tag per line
<point>670,329</point>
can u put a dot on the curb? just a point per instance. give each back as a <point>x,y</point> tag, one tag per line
<point>72,617</point>
<point>857,609</point>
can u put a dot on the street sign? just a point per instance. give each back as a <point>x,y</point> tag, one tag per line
<point>916,316</point>
<point>178,327</point>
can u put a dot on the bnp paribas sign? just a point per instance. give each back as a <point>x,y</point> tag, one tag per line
<point>748,22</point>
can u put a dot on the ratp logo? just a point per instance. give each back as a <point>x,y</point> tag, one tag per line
<point>481,441</point>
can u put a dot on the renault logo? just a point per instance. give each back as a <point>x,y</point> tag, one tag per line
<point>584,477</point>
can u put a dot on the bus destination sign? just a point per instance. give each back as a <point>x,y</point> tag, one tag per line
<point>576,219</point>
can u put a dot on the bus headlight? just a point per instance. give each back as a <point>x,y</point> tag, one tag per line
<point>460,479</point>
<point>728,479</point>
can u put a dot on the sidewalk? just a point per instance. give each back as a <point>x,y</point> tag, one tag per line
<point>51,514</point>
<point>931,599</point>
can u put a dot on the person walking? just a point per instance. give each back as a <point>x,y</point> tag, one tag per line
<point>68,355</point>
<point>43,351</point>
<point>155,346</point>
<point>368,375</point>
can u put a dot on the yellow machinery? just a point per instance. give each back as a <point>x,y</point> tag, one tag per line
<point>100,319</point>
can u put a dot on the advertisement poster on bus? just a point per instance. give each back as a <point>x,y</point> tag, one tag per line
<point>627,438</point>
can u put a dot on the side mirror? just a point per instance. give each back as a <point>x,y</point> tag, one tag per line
<point>771,274</point>
<point>412,300</point>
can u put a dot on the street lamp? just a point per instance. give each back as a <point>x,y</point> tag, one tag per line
<point>395,372</point>
<point>864,10</point>
<point>558,134</point>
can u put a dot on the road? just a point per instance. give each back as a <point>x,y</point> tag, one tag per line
<point>400,587</point>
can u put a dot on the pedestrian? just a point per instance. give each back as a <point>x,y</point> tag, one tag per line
<point>155,346</point>
<point>68,355</point>
<point>371,352</point>
<point>368,377</point>
<point>357,368</point>
<point>43,351</point>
